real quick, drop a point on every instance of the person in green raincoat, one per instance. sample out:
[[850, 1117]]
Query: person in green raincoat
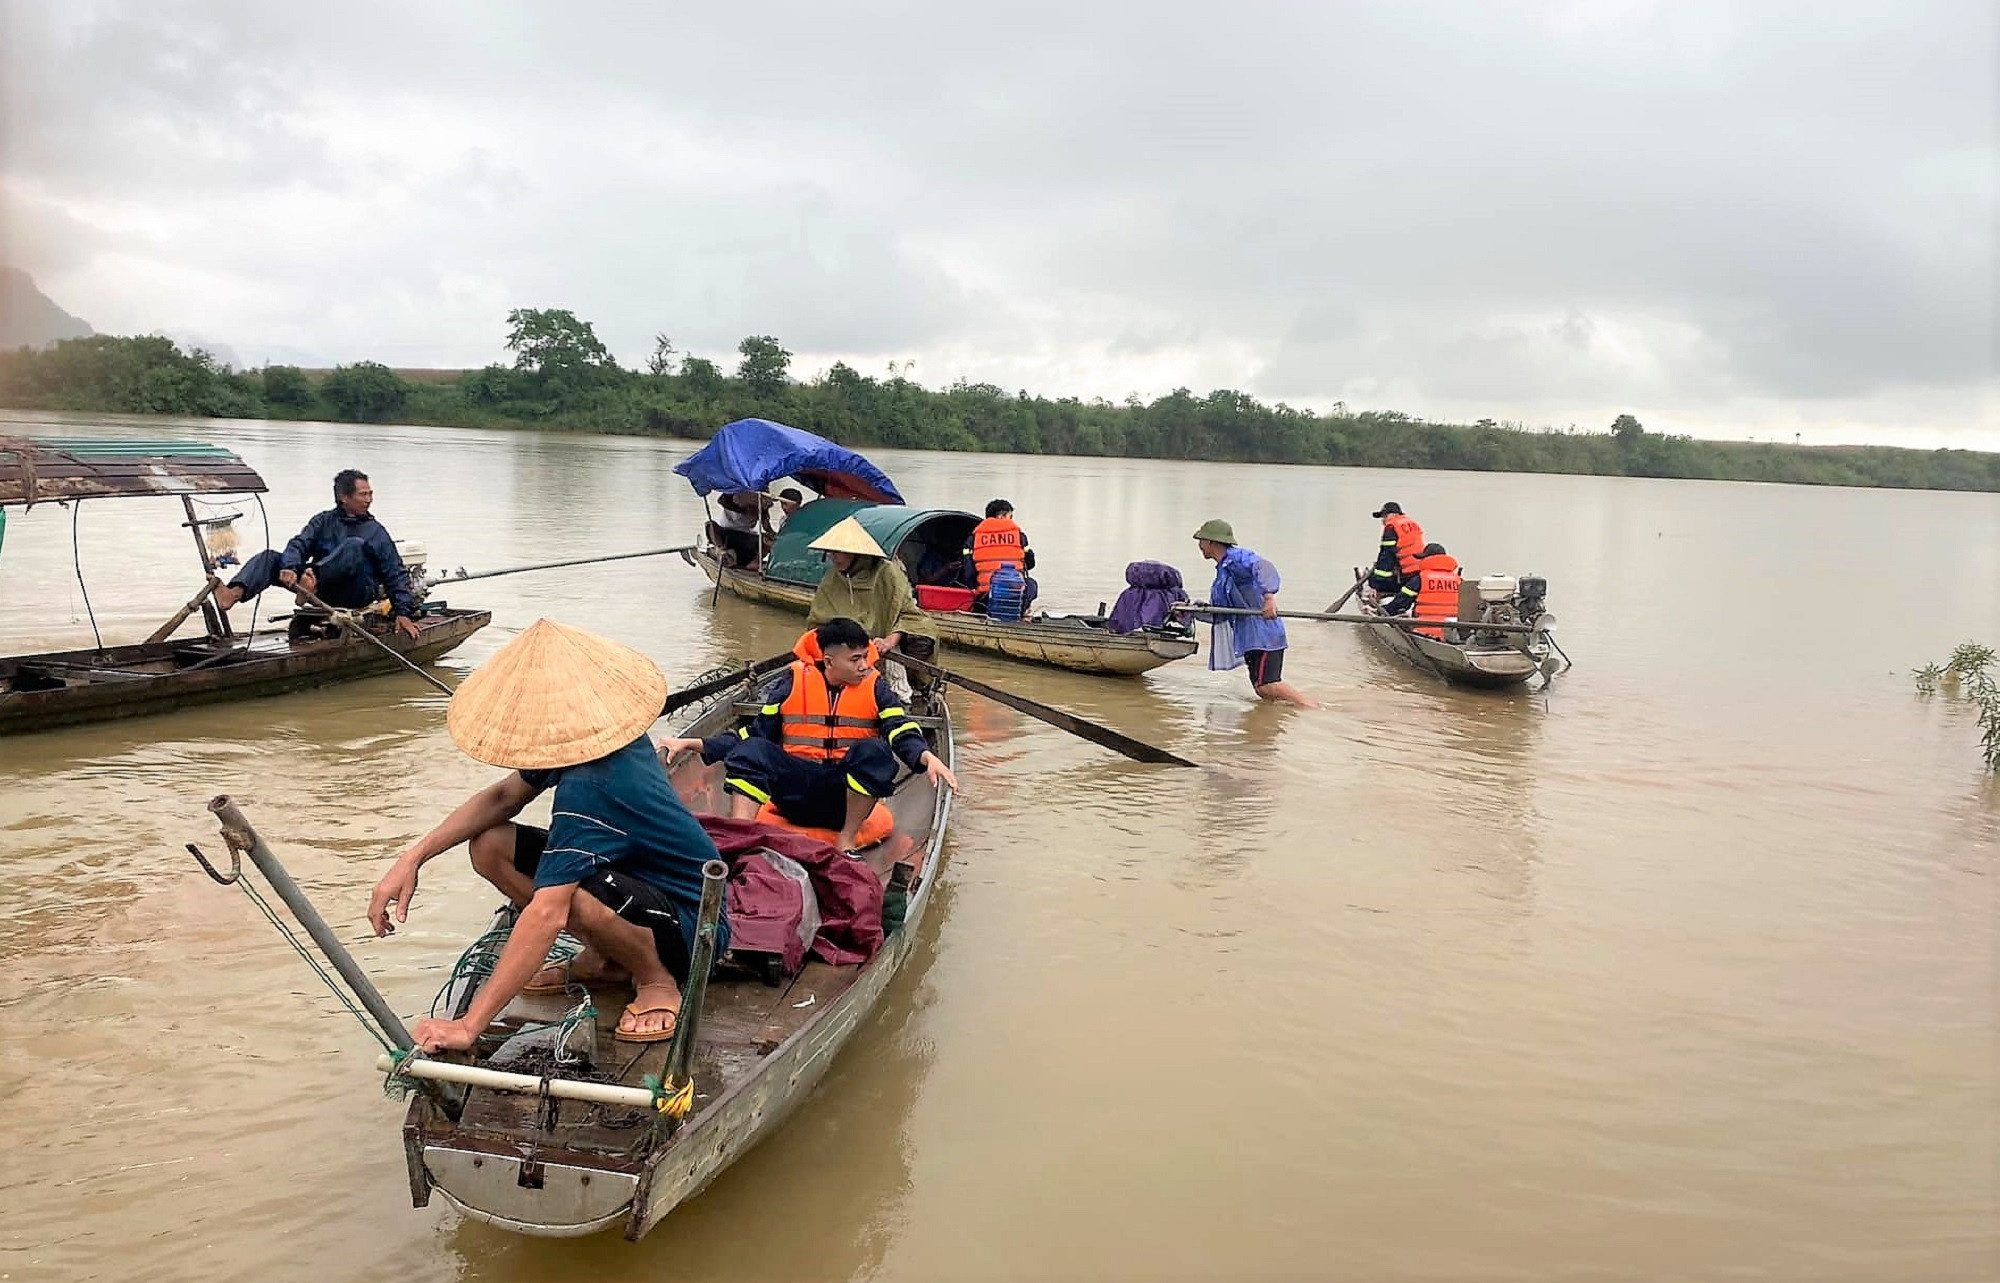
[[865, 584]]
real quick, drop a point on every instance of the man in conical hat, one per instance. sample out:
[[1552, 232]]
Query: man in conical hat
[[619, 866]]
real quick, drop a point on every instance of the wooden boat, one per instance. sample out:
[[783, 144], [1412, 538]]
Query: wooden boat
[[751, 454], [158, 675], [65, 688], [923, 540], [540, 1163], [1466, 656]]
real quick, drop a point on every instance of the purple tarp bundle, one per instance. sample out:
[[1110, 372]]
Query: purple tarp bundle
[[1155, 588]]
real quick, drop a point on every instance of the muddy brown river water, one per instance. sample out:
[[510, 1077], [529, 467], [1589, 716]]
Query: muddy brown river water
[[1685, 970]]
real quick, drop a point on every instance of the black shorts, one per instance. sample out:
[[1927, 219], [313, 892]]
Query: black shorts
[[633, 899], [1266, 666]]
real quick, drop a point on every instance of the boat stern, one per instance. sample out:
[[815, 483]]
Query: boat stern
[[543, 1197]]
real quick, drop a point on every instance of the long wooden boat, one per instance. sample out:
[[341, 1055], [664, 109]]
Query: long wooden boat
[[922, 539], [541, 1164], [1467, 657], [66, 688], [160, 674]]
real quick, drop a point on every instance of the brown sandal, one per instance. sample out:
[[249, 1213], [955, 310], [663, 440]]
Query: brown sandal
[[631, 1015]]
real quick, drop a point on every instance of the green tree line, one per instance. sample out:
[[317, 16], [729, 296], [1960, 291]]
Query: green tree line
[[561, 376]]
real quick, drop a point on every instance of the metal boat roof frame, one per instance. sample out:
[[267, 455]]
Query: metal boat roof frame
[[58, 469]]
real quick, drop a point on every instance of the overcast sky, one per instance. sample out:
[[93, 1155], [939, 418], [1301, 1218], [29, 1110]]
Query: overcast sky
[[1741, 218]]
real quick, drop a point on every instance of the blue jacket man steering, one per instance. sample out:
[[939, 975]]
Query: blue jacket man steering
[[343, 556]]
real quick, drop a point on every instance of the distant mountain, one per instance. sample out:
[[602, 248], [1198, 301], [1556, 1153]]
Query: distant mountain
[[28, 318], [222, 352]]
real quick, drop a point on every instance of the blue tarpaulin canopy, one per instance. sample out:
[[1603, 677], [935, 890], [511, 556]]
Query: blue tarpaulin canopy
[[750, 454]]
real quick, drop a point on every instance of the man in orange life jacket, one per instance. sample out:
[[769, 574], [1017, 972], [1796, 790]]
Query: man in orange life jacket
[[995, 542], [824, 747], [1432, 593], [1402, 545]]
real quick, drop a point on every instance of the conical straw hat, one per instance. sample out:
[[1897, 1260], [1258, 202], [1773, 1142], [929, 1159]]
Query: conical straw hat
[[848, 536], [555, 696]]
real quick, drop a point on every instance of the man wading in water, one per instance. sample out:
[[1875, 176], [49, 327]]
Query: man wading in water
[[619, 866], [1245, 581]]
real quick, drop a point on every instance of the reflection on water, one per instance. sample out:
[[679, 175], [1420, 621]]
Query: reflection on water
[[1683, 970]]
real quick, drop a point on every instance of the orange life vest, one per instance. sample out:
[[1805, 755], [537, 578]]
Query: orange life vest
[[1409, 537], [1437, 591], [881, 822], [818, 721], [995, 542]]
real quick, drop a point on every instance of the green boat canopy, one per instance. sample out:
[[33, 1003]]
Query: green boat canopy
[[927, 541]]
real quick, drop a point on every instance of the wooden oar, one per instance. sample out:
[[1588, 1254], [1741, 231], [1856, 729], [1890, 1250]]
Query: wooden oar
[[694, 694], [1342, 599], [346, 620], [1394, 621], [461, 577], [1137, 750], [166, 630]]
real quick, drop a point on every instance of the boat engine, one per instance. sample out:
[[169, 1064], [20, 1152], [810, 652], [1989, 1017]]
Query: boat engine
[[1531, 598], [1503, 599], [414, 556]]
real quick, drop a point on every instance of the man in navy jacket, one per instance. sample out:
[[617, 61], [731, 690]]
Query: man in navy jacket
[[343, 556]]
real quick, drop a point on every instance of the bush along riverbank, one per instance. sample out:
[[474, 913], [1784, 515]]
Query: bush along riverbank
[[561, 376]]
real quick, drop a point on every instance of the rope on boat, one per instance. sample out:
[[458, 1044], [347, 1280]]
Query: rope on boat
[[76, 557], [473, 968], [674, 1102], [312, 960]]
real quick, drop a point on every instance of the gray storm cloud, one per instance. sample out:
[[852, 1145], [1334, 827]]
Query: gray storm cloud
[[1733, 218]]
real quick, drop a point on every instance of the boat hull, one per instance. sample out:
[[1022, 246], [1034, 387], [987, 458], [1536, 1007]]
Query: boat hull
[[1076, 647], [163, 677], [1487, 667]]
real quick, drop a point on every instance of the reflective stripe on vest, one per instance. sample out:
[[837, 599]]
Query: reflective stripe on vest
[[995, 542], [1437, 591], [1409, 540], [817, 723]]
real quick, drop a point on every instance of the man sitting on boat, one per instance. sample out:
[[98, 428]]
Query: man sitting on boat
[[823, 750], [343, 556], [742, 527], [1401, 547], [996, 542], [866, 585], [1432, 593], [619, 866]]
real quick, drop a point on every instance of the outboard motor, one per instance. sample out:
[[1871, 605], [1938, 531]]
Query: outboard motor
[[1531, 598], [414, 555], [1503, 599]]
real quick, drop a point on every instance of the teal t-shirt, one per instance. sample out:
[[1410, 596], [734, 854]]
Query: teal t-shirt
[[621, 813]]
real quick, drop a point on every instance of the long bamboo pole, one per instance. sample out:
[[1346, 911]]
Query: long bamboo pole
[[1394, 621], [346, 620], [1117, 741], [238, 833], [433, 581], [714, 876], [1341, 600]]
